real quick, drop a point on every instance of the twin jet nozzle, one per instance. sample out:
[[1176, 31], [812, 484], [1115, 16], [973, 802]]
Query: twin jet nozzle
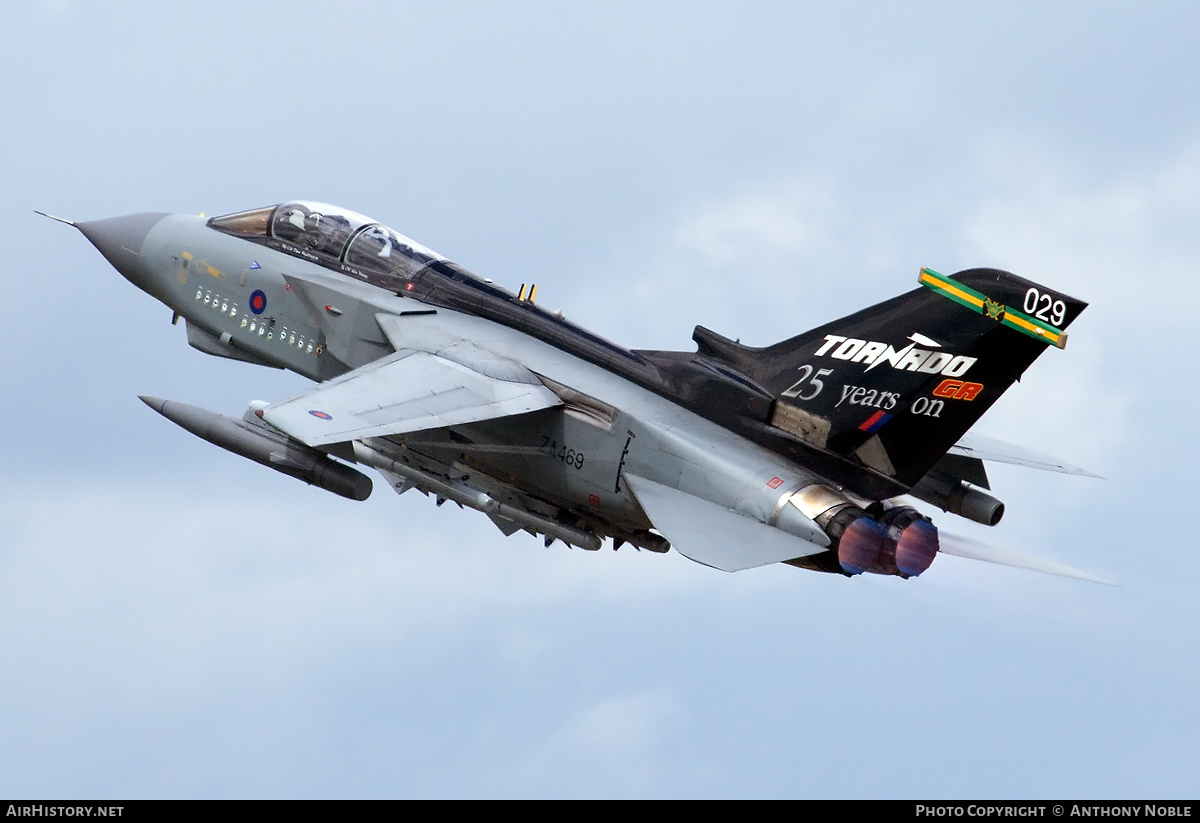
[[895, 540]]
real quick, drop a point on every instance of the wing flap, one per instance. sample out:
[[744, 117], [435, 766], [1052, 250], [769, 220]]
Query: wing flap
[[713, 535]]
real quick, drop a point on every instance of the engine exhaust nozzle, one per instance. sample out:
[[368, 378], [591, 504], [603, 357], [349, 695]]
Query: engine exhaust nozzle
[[860, 543]]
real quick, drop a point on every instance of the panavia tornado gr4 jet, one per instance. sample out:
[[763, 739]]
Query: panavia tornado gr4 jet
[[804, 452]]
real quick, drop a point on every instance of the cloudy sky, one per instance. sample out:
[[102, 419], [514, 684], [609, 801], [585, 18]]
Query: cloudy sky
[[178, 622]]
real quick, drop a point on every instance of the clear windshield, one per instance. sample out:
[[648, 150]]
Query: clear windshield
[[316, 226], [338, 233], [378, 248]]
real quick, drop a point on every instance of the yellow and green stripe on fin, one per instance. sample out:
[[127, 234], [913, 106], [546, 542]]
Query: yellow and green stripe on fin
[[982, 304]]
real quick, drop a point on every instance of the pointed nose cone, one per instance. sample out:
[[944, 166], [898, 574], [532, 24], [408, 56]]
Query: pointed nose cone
[[120, 240]]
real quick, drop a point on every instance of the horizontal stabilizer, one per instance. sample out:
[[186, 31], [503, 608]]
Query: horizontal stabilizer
[[713, 535], [965, 547], [998, 451]]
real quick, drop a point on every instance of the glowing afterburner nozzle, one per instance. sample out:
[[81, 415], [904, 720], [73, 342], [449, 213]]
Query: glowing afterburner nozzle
[[860, 544], [916, 547]]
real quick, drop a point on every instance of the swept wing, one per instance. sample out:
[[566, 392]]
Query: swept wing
[[432, 380]]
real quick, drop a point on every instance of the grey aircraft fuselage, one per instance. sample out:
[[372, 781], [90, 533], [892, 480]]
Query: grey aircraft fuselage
[[567, 458], [726, 451]]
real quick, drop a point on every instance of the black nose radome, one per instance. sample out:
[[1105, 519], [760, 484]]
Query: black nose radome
[[120, 239]]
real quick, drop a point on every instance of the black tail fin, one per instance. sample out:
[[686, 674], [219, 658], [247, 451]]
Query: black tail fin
[[894, 386]]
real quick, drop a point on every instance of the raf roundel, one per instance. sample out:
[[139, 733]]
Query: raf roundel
[[322, 415], [258, 301]]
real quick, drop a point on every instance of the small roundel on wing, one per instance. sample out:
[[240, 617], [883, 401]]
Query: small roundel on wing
[[322, 415], [258, 301]]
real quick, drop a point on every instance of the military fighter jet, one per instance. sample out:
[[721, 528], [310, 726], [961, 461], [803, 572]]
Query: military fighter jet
[[806, 452]]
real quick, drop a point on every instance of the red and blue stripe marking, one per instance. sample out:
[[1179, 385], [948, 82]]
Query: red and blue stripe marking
[[873, 423]]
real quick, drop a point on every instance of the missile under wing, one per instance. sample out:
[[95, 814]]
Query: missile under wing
[[807, 452]]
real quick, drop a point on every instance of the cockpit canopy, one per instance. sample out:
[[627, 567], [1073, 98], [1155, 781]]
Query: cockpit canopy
[[331, 232]]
